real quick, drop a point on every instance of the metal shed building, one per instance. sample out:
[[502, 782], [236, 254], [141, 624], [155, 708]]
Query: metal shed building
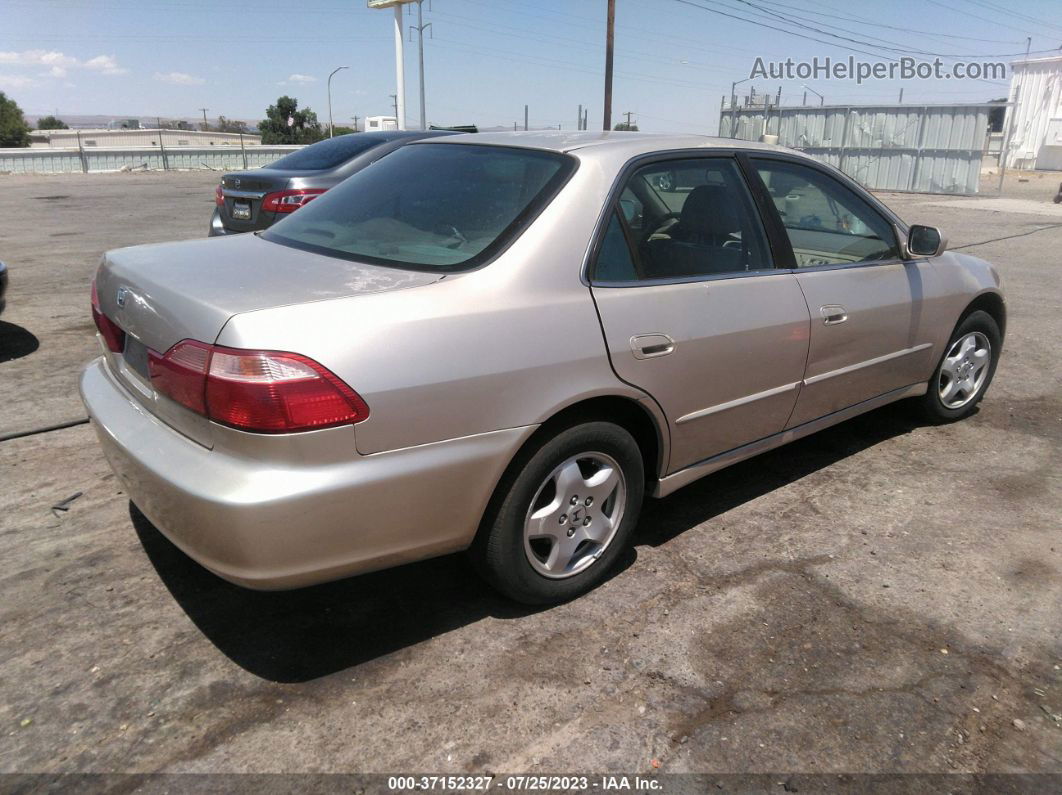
[[1033, 127]]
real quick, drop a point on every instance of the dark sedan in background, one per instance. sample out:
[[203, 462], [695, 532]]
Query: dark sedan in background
[[250, 200]]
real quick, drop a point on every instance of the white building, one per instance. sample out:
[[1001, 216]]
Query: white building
[[68, 139], [1033, 127], [377, 123]]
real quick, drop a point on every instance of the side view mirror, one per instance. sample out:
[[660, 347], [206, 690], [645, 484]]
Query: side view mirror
[[925, 241]]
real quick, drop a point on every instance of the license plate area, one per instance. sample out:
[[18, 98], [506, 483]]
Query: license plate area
[[136, 357], [241, 211]]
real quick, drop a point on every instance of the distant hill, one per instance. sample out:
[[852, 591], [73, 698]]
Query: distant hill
[[75, 120]]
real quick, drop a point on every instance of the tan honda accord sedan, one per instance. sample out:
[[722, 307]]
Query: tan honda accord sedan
[[501, 343]]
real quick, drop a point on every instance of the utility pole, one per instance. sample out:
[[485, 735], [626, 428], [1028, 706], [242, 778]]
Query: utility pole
[[394, 102], [610, 38], [420, 27], [628, 114], [579, 119], [586, 118], [356, 123], [205, 125], [525, 118]]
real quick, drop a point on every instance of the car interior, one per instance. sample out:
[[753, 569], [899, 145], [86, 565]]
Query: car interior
[[707, 226]]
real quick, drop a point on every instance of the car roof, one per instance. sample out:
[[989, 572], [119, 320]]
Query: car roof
[[383, 136], [631, 143]]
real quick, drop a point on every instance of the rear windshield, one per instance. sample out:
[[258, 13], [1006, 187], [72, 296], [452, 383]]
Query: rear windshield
[[436, 207], [326, 154]]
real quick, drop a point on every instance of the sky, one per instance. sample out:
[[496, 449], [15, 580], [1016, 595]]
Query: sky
[[486, 59]]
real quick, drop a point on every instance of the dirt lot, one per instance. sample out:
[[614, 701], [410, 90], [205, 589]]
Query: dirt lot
[[881, 597]]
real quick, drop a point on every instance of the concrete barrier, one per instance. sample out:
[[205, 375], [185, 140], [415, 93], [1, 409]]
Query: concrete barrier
[[151, 158]]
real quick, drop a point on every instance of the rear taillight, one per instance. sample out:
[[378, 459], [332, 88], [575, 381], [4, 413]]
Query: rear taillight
[[288, 201], [219, 197], [259, 391], [181, 373], [112, 334]]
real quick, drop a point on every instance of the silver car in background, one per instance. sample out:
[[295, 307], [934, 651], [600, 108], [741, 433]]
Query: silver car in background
[[500, 343]]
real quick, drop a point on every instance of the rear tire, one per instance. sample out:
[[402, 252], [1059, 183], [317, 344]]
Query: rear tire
[[965, 370], [563, 515]]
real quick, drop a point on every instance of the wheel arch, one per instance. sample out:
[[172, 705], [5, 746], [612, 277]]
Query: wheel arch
[[627, 412], [991, 303]]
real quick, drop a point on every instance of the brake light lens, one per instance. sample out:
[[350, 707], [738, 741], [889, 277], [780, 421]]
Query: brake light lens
[[258, 391], [288, 201], [112, 334], [219, 197], [181, 373]]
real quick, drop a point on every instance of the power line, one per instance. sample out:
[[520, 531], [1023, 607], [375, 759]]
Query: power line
[[975, 16], [881, 43], [872, 23], [1012, 13]]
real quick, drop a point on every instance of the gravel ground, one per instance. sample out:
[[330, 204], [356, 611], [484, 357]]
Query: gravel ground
[[883, 597]]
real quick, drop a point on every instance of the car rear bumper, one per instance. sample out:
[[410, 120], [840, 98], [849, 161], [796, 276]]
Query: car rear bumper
[[269, 524], [217, 228]]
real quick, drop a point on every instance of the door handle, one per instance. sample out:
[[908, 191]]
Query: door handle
[[832, 314], [649, 346]]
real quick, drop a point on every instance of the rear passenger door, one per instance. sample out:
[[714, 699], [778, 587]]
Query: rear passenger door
[[866, 303], [692, 308]]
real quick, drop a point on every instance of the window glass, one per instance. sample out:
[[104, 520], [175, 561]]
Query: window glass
[[632, 209], [437, 207], [327, 154], [614, 262], [826, 222], [691, 218]]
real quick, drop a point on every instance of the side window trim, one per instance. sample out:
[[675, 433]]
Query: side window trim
[[752, 174], [628, 236], [612, 205], [781, 248]]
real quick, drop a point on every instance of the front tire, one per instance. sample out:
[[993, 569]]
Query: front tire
[[566, 512], [965, 371]]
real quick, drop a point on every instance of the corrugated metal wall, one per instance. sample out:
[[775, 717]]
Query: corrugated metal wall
[[56, 161], [1036, 90], [920, 148]]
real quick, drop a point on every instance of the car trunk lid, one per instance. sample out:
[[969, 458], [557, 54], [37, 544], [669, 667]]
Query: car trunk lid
[[242, 194], [162, 294]]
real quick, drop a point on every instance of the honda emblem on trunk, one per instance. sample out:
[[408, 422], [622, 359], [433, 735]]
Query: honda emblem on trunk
[[120, 297], [236, 183]]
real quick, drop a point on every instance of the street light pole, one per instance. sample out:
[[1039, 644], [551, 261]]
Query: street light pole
[[822, 99], [733, 105], [331, 127]]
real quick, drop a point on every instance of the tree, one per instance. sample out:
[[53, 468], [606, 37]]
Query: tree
[[230, 125], [626, 127], [338, 130], [13, 128], [303, 128], [51, 123]]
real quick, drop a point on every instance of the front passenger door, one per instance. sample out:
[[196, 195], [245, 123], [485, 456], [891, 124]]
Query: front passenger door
[[693, 310]]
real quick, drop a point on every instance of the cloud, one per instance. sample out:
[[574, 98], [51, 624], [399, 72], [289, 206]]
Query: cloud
[[59, 63], [179, 78], [37, 58], [16, 81], [297, 78], [107, 64]]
